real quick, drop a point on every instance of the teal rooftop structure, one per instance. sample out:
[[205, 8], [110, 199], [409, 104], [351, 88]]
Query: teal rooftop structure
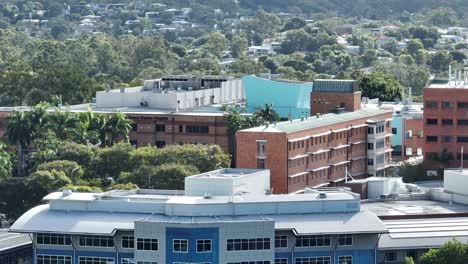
[[290, 99]]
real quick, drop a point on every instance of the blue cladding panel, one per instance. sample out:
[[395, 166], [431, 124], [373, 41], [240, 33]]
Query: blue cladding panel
[[288, 98], [83, 254], [359, 256], [192, 234], [397, 123]]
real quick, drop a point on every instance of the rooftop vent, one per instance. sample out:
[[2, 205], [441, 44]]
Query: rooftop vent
[[207, 196], [66, 192], [322, 195], [267, 191]]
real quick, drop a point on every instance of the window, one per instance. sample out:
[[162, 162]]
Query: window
[[431, 104], [380, 129], [204, 245], [96, 241], [447, 104], [313, 260], [95, 260], [181, 129], [197, 129], [462, 139], [419, 151], [390, 256], [462, 122], [370, 130], [370, 162], [128, 242], [431, 121], [370, 146], [447, 139], [409, 152], [345, 260], [431, 139], [345, 240], [160, 144], [160, 128], [313, 241], [462, 104], [380, 144], [261, 163], [53, 239], [281, 241], [147, 244], [127, 261], [281, 261], [248, 244], [394, 131], [50, 259], [261, 148], [251, 262], [380, 159], [180, 245], [447, 122]]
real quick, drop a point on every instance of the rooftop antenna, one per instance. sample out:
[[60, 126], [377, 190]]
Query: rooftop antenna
[[450, 72], [461, 159]]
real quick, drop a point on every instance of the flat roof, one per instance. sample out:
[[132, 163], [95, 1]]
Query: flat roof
[[414, 208], [313, 122], [213, 110], [12, 240], [107, 223], [228, 173], [423, 233], [449, 85]]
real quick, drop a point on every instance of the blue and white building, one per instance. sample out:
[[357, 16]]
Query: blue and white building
[[230, 225]]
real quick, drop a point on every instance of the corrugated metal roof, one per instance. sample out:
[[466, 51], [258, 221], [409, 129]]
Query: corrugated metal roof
[[73, 222], [312, 122], [335, 86], [13, 240], [423, 233]]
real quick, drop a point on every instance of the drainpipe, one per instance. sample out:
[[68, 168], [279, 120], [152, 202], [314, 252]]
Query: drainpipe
[[116, 250], [334, 250], [74, 249], [375, 249], [34, 259]]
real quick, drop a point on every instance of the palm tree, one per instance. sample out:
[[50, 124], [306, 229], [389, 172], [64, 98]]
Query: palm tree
[[84, 133], [19, 132], [38, 118], [118, 126], [268, 114], [63, 124]]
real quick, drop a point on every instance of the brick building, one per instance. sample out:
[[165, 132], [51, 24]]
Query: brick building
[[445, 125], [317, 151], [176, 109], [328, 95]]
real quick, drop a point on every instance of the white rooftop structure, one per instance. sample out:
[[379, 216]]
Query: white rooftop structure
[[228, 182], [175, 93], [326, 211]]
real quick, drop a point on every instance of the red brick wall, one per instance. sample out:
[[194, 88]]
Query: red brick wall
[[281, 146], [324, 102], [276, 156], [414, 142], [146, 133], [440, 95]]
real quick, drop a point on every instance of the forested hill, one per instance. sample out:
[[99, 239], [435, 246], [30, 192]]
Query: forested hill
[[355, 7]]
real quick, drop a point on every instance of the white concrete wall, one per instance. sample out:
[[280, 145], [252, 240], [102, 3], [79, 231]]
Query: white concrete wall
[[455, 181], [231, 90], [254, 183]]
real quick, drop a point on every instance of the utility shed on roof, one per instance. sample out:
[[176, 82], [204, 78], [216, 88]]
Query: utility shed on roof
[[335, 86], [228, 182]]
